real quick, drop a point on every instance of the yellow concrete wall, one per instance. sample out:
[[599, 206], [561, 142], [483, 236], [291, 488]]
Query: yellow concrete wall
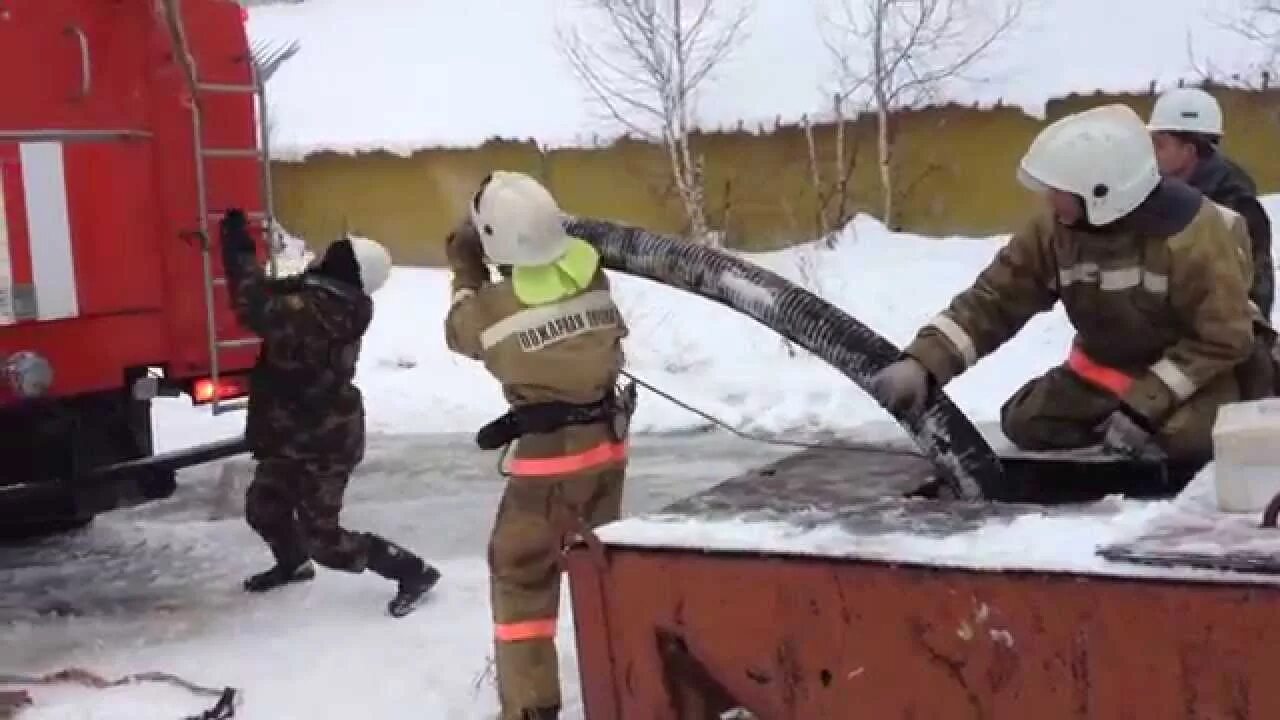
[[956, 165]]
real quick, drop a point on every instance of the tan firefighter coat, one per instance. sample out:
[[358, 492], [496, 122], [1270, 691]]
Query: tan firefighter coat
[[568, 351], [1168, 310]]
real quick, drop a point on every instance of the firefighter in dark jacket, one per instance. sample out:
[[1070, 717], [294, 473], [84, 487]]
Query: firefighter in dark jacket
[[1186, 127], [1153, 279], [306, 416], [552, 335]]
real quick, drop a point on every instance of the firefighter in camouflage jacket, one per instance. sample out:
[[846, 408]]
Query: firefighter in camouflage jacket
[[306, 423]]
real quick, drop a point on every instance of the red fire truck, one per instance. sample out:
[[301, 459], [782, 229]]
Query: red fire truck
[[123, 138]]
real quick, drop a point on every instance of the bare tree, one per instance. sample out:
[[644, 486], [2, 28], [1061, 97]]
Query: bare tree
[[833, 194], [644, 62], [899, 54], [1259, 23], [1255, 21]]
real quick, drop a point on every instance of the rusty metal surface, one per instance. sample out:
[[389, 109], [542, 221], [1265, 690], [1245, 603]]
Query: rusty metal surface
[[809, 639]]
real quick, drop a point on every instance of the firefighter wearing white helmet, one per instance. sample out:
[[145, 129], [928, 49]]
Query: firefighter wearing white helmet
[[1186, 127], [1150, 276], [1188, 110], [306, 420], [551, 334]]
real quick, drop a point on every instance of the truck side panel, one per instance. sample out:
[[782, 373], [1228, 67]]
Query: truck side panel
[[101, 262]]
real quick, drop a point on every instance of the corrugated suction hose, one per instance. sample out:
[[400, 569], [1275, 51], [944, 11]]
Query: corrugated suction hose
[[966, 464]]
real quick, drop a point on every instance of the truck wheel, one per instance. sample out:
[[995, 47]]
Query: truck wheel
[[46, 485]]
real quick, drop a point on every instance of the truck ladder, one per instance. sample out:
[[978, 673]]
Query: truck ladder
[[205, 154]]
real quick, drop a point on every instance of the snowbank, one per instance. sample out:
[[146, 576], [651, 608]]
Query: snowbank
[[398, 76], [705, 354]]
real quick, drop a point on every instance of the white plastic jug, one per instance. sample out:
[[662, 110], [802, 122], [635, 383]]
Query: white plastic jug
[[1246, 441]]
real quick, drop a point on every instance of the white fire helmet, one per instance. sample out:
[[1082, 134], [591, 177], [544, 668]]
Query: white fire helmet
[[1189, 110], [1103, 155], [374, 262], [518, 221]]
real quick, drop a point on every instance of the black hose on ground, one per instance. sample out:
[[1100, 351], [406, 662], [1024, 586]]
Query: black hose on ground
[[966, 464]]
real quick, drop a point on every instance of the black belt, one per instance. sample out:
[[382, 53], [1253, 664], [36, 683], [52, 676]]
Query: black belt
[[615, 409]]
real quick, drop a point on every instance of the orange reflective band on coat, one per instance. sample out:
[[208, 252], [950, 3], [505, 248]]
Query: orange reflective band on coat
[[1105, 377], [528, 630], [601, 454]]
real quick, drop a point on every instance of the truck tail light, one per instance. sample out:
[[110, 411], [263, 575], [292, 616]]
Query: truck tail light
[[205, 390]]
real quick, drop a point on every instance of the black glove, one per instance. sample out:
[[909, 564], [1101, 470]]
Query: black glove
[[1124, 433], [234, 233]]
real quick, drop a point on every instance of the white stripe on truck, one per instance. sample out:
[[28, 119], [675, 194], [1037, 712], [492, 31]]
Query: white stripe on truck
[[6, 264], [52, 263]]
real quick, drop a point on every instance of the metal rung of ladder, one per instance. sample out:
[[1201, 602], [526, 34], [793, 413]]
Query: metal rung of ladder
[[238, 343], [226, 88], [247, 153], [254, 215], [205, 214]]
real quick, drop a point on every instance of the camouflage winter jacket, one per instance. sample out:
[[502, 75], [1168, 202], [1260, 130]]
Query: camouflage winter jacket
[[1227, 184], [1160, 295], [303, 403], [568, 351]]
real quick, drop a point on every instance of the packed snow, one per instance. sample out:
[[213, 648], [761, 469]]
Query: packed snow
[[398, 77], [156, 588]]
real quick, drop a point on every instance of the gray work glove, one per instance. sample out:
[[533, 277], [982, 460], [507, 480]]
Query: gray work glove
[[1124, 434], [465, 253], [902, 387]]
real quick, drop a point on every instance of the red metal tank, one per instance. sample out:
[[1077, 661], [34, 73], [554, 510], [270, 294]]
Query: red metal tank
[[711, 609]]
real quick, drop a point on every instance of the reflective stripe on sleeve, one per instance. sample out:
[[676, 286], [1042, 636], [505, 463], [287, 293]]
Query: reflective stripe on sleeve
[[963, 343], [1171, 375]]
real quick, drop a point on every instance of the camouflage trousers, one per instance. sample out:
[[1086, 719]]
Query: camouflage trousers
[[1062, 411], [529, 532], [295, 506]]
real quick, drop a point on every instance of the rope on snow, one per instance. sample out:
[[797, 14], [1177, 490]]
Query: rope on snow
[[11, 702]]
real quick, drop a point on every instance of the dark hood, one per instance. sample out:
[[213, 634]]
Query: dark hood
[[1168, 210], [339, 263]]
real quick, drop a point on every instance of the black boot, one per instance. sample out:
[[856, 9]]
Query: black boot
[[279, 575], [414, 576], [547, 713]]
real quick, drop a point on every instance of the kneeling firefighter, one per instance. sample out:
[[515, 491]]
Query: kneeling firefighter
[[1155, 281], [550, 332], [306, 416]]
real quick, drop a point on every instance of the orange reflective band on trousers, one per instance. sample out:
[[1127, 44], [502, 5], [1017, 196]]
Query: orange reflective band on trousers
[[1105, 377], [602, 454], [528, 630]]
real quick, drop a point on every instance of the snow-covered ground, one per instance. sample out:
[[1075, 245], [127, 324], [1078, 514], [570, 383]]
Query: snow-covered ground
[[155, 588]]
